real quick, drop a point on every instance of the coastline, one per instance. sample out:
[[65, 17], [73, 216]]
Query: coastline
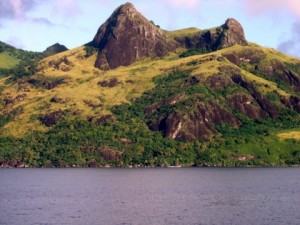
[[142, 167]]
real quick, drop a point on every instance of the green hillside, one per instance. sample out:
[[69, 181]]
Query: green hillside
[[16, 62], [173, 98], [79, 122], [7, 61]]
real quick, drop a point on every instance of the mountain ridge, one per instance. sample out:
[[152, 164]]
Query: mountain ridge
[[143, 39]]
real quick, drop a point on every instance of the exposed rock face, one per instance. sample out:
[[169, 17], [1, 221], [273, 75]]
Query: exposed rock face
[[227, 35], [233, 33], [198, 124], [278, 69], [292, 102], [261, 100], [126, 37], [52, 118], [168, 101], [14, 163], [268, 69], [219, 81], [245, 104], [109, 83]]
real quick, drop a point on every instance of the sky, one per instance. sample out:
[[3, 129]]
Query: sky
[[37, 24]]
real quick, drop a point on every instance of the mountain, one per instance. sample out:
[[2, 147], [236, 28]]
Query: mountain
[[140, 95], [128, 36], [54, 49]]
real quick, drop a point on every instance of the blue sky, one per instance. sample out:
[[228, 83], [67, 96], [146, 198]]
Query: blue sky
[[36, 24]]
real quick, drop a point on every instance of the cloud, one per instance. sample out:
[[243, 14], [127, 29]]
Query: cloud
[[67, 8], [183, 3], [15, 9], [18, 10], [256, 7], [291, 45]]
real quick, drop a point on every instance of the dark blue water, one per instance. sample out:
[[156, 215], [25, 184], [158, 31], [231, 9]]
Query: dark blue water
[[150, 196]]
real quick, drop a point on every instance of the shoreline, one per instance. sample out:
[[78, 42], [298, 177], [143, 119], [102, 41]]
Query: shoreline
[[146, 167]]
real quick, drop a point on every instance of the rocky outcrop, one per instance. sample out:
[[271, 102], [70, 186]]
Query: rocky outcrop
[[257, 63], [127, 36], [198, 124], [280, 70], [224, 36], [13, 163], [232, 33], [292, 102], [52, 118], [246, 105], [219, 81], [109, 83], [261, 100]]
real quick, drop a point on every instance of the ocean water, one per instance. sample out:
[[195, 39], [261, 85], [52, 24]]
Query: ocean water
[[150, 196]]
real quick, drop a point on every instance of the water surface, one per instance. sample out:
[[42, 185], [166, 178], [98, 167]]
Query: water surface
[[150, 196]]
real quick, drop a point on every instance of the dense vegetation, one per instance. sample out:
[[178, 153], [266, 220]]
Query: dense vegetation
[[124, 139], [22, 62]]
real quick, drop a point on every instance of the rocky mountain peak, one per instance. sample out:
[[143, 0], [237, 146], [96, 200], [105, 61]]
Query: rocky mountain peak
[[128, 36], [226, 35], [231, 22], [128, 9], [234, 33]]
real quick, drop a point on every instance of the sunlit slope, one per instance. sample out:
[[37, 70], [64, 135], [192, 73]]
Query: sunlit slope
[[69, 82], [7, 61]]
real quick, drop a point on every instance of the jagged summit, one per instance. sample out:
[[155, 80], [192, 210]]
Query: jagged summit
[[233, 33], [128, 36]]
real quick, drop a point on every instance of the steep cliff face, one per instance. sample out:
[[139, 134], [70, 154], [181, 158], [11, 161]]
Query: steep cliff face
[[233, 33], [226, 35], [198, 124], [127, 36]]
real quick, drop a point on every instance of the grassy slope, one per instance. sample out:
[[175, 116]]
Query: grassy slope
[[82, 84], [290, 134], [183, 32], [7, 61]]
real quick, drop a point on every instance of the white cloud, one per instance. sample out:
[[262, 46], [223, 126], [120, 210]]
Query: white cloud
[[15, 9], [183, 3], [257, 7], [67, 8], [291, 45]]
